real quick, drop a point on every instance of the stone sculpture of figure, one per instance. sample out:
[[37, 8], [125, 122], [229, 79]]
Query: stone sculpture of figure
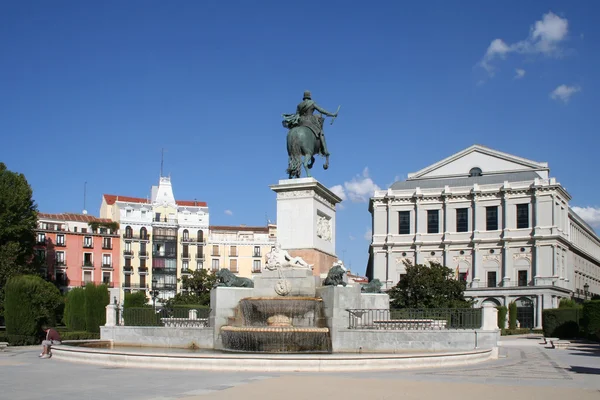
[[323, 228], [278, 257], [226, 278], [306, 137], [372, 287], [335, 276]]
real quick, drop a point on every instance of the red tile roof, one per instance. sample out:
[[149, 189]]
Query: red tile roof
[[111, 199], [239, 228], [73, 217]]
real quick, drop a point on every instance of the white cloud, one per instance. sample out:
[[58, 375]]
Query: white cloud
[[591, 215], [564, 93], [520, 73], [228, 212], [368, 234], [358, 190], [544, 38]]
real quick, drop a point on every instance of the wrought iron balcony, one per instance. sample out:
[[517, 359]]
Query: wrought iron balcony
[[107, 265], [199, 256], [128, 253], [60, 263], [143, 254], [164, 254], [60, 244], [185, 256], [256, 254], [134, 286], [88, 245], [143, 270], [106, 246], [186, 271], [109, 284], [87, 265], [40, 241], [127, 268], [188, 239]]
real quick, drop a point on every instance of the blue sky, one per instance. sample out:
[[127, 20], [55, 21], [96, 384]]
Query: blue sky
[[91, 91]]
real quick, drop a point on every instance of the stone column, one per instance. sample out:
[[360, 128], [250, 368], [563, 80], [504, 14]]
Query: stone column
[[111, 315], [489, 317], [538, 314]]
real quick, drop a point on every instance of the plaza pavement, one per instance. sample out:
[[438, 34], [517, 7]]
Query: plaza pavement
[[525, 370]]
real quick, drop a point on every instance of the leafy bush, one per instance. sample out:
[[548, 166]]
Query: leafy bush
[[561, 322], [29, 303], [136, 299], [96, 300], [512, 316], [568, 303], [591, 319], [78, 335], [519, 331], [502, 311], [74, 317]]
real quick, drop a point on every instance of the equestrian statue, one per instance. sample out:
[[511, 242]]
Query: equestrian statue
[[305, 136]]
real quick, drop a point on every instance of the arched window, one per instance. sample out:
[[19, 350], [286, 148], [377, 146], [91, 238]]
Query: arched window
[[186, 235], [143, 233], [128, 232], [475, 172], [201, 235]]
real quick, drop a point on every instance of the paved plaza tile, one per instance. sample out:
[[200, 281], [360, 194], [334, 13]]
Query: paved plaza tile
[[526, 369]]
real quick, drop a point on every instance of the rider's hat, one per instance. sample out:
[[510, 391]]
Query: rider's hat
[[306, 94]]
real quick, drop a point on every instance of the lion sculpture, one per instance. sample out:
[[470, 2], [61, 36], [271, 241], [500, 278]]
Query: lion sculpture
[[226, 278], [372, 287], [335, 276]]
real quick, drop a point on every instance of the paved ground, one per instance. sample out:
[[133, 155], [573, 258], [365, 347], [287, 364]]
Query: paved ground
[[526, 370]]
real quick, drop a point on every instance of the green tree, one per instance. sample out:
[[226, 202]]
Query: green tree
[[30, 302], [18, 219], [96, 300], [197, 288], [431, 286], [74, 317]]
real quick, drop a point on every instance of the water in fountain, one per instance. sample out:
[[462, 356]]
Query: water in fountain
[[278, 325]]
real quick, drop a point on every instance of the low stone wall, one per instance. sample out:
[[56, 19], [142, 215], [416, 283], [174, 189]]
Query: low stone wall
[[396, 341], [152, 336]]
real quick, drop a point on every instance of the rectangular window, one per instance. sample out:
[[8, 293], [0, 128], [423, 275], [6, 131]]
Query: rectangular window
[[491, 218], [233, 265], [186, 251], [128, 263], [215, 250], [233, 251], [127, 281], [185, 265], [404, 222], [60, 240], [462, 276], [87, 260], [256, 251], [74, 229], [87, 276], [142, 281], [433, 221], [215, 265], [83, 230], [199, 265], [107, 243], [106, 261], [41, 238], [462, 220], [60, 258], [522, 216], [142, 263], [128, 213], [106, 278], [256, 266], [200, 252], [87, 242], [491, 279], [157, 217], [40, 254], [522, 277]]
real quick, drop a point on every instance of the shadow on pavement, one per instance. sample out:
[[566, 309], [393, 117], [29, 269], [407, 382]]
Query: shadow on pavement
[[585, 370]]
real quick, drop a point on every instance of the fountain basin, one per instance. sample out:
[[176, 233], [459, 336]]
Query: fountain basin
[[276, 339]]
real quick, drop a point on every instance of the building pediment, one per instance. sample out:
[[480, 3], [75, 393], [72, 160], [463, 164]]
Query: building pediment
[[489, 161]]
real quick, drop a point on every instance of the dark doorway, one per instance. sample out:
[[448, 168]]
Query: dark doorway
[[525, 312]]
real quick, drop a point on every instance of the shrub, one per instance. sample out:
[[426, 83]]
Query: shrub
[[512, 316], [74, 317], [78, 335], [519, 331], [136, 299], [29, 303], [502, 310], [96, 300], [562, 322], [591, 319]]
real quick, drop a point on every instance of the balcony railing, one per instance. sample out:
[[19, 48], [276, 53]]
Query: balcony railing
[[256, 254], [127, 268], [186, 271], [60, 263], [165, 220], [88, 245], [128, 253], [134, 286], [500, 284], [109, 284], [87, 264], [199, 256], [107, 265], [143, 270], [185, 256], [164, 254], [41, 242], [165, 286], [143, 254], [165, 238], [106, 246], [60, 244], [415, 319]]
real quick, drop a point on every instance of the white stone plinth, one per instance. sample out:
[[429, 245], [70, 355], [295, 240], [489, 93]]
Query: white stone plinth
[[305, 215], [111, 315], [489, 317]]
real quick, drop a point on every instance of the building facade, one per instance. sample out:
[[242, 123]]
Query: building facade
[[77, 249], [241, 249], [499, 220], [162, 238]]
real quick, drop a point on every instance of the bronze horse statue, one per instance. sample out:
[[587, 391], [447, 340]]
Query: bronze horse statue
[[301, 141]]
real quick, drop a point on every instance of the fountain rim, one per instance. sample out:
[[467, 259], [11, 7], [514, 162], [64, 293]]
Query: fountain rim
[[280, 298]]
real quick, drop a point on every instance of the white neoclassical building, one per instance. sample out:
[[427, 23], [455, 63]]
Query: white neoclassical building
[[500, 221]]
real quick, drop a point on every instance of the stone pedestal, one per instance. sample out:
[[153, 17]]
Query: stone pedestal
[[299, 281], [336, 299], [111, 315], [306, 221], [223, 302]]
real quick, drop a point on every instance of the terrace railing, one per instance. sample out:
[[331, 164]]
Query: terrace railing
[[415, 319]]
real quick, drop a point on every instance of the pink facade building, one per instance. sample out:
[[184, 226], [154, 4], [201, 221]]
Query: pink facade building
[[78, 248]]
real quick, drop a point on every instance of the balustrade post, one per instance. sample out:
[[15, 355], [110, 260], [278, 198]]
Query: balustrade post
[[111, 315], [489, 317]]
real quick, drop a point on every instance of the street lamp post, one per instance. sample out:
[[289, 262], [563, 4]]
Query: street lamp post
[[586, 287], [154, 293]]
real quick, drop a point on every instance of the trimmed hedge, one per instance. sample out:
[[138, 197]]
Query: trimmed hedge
[[512, 316], [136, 299], [561, 322], [502, 311], [591, 319], [29, 303], [519, 331], [78, 335], [96, 300], [74, 317]]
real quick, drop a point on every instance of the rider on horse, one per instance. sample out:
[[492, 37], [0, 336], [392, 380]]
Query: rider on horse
[[304, 117]]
